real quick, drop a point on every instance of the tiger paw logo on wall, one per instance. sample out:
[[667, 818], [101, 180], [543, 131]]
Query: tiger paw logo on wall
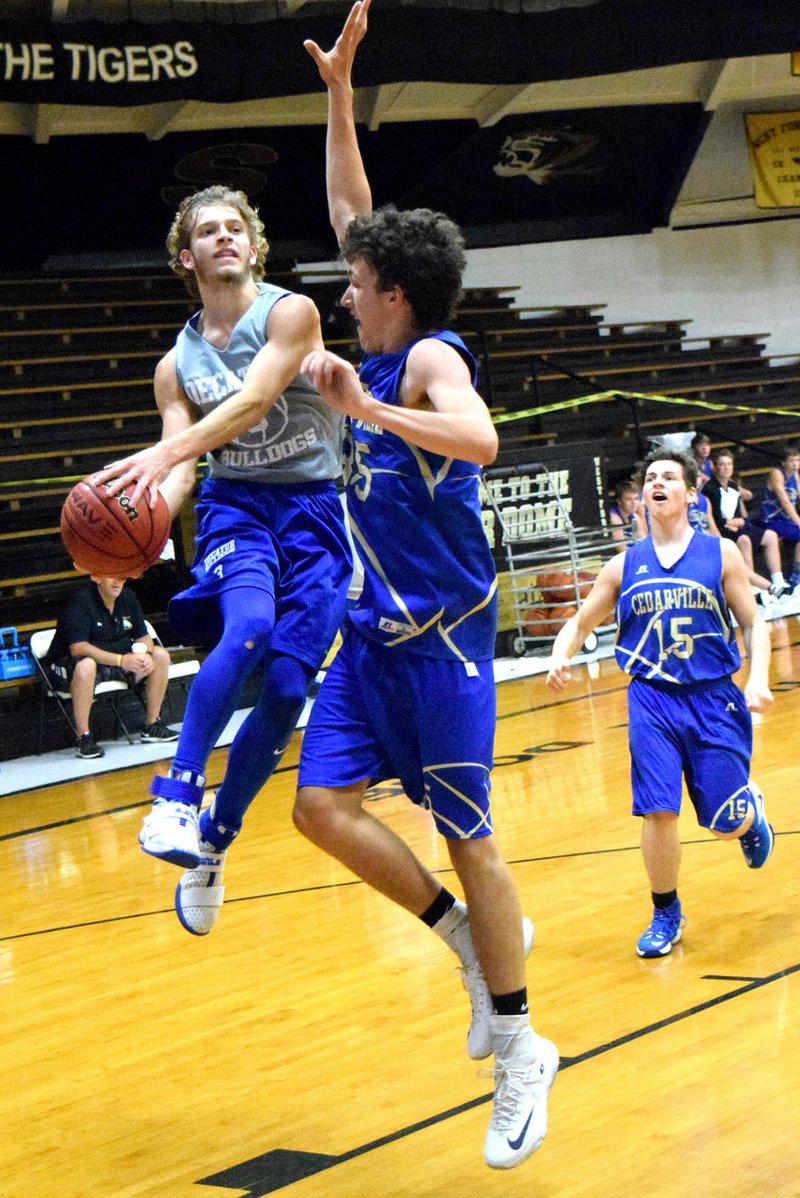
[[546, 154]]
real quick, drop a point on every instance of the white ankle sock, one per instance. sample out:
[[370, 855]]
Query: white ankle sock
[[454, 929]]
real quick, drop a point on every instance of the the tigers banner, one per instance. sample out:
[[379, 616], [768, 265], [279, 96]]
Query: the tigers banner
[[773, 139]]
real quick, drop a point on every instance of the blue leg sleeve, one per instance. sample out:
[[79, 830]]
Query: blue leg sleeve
[[248, 618], [259, 744]]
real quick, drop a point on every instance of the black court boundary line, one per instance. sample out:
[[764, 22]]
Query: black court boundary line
[[334, 886], [329, 1161]]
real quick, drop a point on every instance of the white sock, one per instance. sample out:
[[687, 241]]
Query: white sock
[[454, 929]]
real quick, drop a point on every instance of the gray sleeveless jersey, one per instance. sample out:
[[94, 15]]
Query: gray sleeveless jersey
[[299, 440]]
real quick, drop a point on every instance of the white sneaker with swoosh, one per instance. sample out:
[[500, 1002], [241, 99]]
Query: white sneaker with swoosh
[[525, 1069]]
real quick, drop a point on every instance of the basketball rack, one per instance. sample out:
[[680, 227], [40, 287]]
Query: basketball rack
[[551, 561]]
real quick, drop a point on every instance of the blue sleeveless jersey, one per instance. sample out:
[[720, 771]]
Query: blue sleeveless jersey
[[770, 504], [429, 578], [673, 623], [299, 440], [629, 526]]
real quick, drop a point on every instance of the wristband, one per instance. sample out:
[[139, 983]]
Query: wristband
[[119, 663]]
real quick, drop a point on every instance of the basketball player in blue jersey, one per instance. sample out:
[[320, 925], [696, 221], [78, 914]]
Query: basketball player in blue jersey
[[779, 515], [272, 561], [670, 594], [410, 693]]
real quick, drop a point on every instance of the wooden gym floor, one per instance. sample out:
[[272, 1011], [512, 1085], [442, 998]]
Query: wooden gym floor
[[313, 1044]]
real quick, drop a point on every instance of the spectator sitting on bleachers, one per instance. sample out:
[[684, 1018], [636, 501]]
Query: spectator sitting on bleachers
[[779, 514], [94, 642], [700, 514], [625, 514], [701, 448], [732, 521]]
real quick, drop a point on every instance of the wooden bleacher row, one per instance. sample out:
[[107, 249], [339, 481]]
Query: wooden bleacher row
[[20, 375], [28, 369], [508, 375]]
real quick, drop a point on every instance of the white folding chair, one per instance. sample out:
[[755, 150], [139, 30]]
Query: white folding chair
[[40, 643], [179, 671]]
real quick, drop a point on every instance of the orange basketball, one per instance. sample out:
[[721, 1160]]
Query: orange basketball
[[106, 534], [547, 621], [559, 587]]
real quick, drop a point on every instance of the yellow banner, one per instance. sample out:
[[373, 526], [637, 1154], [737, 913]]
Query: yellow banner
[[773, 139]]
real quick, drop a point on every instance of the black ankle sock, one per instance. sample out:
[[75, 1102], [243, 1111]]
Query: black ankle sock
[[664, 900], [515, 1003], [439, 907]]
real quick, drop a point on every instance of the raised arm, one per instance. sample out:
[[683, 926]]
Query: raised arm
[[294, 331], [349, 192]]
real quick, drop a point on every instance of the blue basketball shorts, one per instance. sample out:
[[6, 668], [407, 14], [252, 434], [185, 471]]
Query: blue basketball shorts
[[786, 529], [704, 735], [388, 713], [287, 540]]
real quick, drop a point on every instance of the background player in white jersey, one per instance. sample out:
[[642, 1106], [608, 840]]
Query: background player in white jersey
[[410, 693], [272, 561], [670, 594]]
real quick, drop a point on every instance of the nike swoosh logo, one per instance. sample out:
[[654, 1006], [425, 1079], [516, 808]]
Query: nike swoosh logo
[[515, 1144]]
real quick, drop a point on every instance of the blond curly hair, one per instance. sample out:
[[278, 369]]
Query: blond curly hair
[[180, 234]]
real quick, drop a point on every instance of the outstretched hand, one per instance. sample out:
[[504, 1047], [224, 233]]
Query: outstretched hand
[[145, 469], [336, 381], [335, 66]]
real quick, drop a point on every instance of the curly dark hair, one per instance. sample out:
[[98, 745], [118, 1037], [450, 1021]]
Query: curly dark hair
[[660, 454], [417, 249], [180, 233]]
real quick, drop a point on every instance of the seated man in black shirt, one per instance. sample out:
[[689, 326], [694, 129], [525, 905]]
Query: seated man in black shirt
[[93, 642]]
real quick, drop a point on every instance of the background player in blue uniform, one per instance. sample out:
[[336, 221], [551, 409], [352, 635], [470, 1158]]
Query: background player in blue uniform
[[779, 514], [272, 560], [670, 594], [625, 514], [410, 693]]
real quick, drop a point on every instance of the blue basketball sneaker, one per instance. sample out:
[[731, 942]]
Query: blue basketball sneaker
[[664, 931], [758, 840]]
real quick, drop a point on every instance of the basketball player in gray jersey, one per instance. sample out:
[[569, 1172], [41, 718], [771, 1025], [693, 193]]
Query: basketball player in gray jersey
[[272, 561]]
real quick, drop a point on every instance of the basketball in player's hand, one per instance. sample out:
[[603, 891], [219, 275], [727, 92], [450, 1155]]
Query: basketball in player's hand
[[108, 535]]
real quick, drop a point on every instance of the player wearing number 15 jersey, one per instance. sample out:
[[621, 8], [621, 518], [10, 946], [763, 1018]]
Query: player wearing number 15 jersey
[[671, 594]]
